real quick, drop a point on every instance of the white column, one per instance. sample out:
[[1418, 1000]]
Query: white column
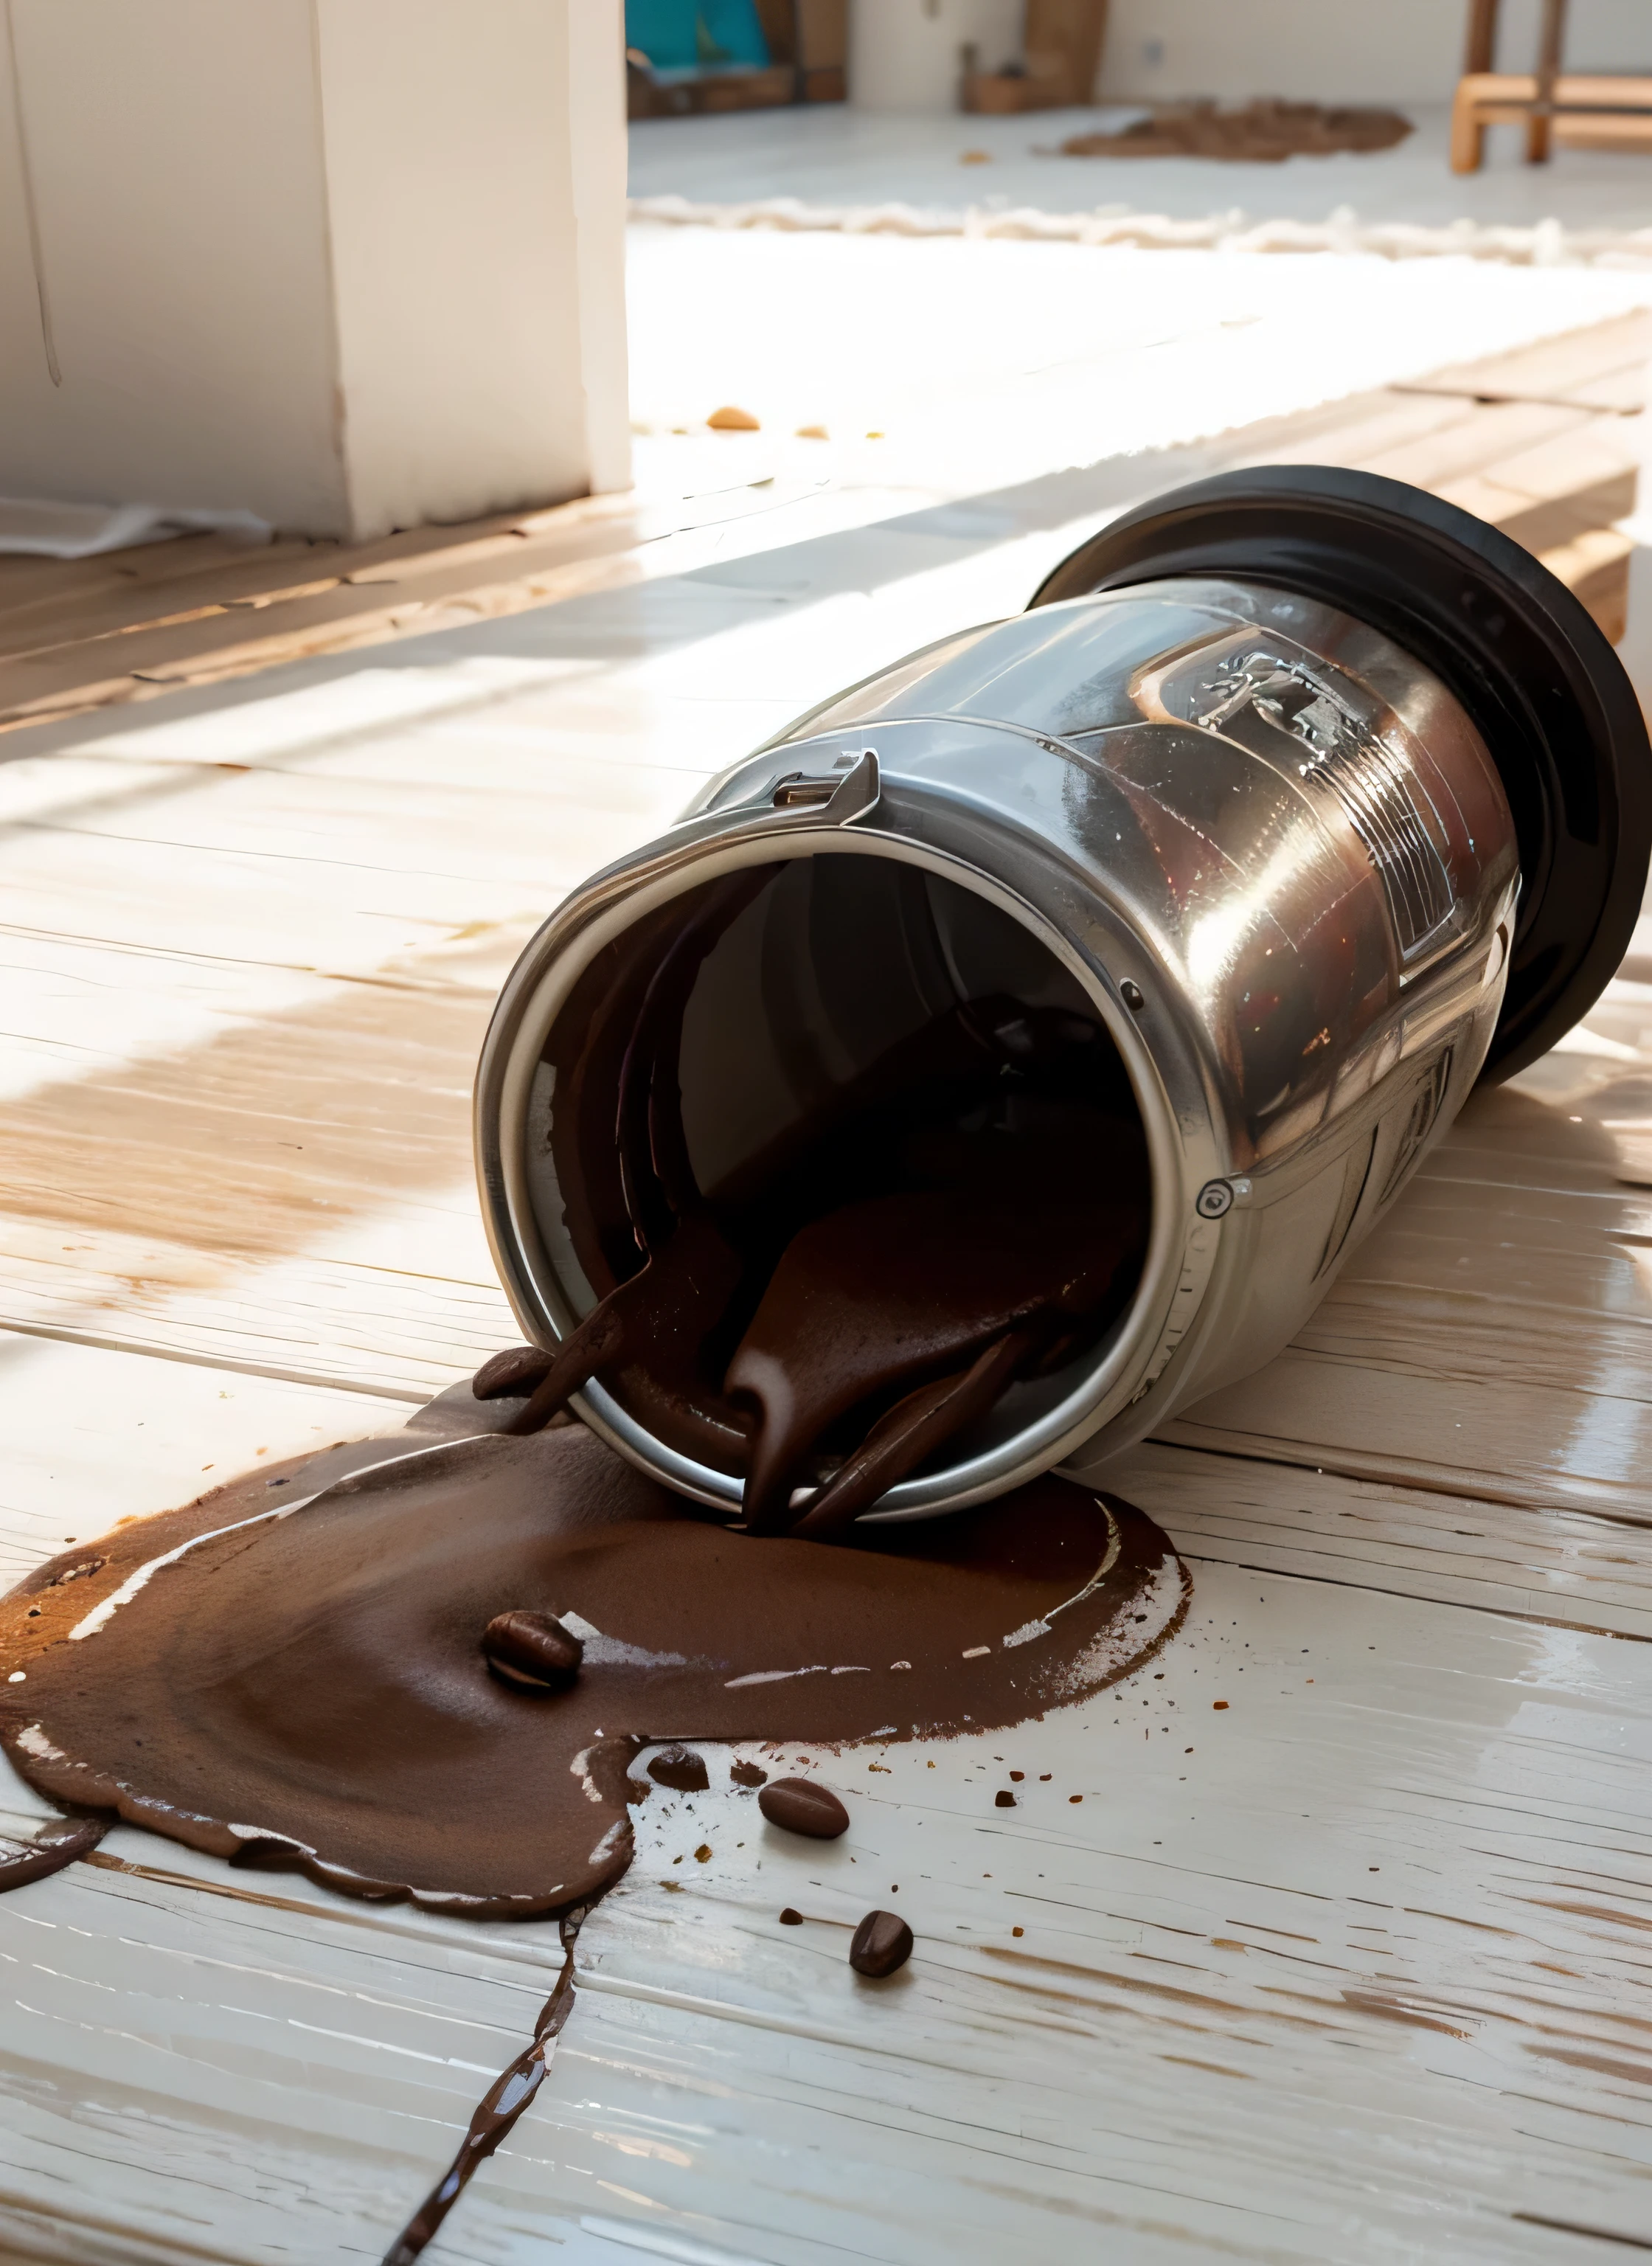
[[351, 265]]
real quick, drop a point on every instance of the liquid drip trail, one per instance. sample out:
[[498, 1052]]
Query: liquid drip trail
[[36, 1861], [496, 2114]]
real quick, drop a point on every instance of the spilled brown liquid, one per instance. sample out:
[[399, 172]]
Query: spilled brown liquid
[[23, 1862], [879, 1297], [307, 1688], [295, 1682], [966, 1210], [494, 2117]]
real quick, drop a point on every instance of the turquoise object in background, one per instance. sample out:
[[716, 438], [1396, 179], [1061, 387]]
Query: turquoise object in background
[[678, 35]]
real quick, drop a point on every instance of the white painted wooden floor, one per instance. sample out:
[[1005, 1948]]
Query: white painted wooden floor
[[1355, 1968]]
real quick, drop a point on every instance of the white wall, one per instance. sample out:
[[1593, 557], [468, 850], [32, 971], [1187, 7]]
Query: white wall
[[904, 54], [178, 193], [327, 260], [1340, 50]]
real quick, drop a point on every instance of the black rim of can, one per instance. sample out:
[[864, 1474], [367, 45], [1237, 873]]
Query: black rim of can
[[1522, 655]]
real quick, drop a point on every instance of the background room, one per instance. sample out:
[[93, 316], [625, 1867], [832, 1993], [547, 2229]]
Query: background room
[[433, 446]]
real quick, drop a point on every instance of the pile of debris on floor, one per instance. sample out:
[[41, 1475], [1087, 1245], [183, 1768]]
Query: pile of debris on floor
[[1263, 132]]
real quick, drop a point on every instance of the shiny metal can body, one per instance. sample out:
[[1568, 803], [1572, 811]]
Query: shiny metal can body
[[1253, 837]]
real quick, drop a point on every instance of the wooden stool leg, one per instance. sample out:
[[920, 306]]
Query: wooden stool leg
[[1480, 55], [1468, 136], [1540, 136], [1480, 51]]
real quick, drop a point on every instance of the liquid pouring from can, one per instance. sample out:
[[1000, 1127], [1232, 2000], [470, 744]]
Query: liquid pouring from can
[[1009, 1053]]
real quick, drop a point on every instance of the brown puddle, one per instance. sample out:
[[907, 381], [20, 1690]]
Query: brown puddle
[[287, 1678], [302, 1685]]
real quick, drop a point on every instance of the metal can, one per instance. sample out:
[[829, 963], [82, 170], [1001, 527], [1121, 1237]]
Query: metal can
[[1316, 796]]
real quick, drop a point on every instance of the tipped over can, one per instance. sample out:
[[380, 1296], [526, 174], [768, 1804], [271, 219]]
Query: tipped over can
[[1295, 803]]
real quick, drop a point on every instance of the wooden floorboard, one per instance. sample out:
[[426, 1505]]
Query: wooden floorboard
[[76, 636], [1604, 367]]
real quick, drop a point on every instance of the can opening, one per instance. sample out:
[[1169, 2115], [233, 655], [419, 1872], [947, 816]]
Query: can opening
[[851, 1040]]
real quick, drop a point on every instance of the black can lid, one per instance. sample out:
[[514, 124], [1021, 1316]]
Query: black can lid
[[1533, 670]]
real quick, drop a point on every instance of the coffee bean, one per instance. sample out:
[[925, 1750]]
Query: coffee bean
[[1003, 1798], [516, 1370], [749, 1775], [798, 1806], [882, 1942], [680, 1768], [532, 1651], [791, 1918]]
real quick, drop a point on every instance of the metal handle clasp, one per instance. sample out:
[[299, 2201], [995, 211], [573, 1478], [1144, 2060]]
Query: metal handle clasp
[[841, 796]]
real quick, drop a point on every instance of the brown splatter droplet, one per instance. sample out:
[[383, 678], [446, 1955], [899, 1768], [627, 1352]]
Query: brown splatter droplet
[[703, 1854], [791, 1918], [1218, 1704], [1003, 1798]]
